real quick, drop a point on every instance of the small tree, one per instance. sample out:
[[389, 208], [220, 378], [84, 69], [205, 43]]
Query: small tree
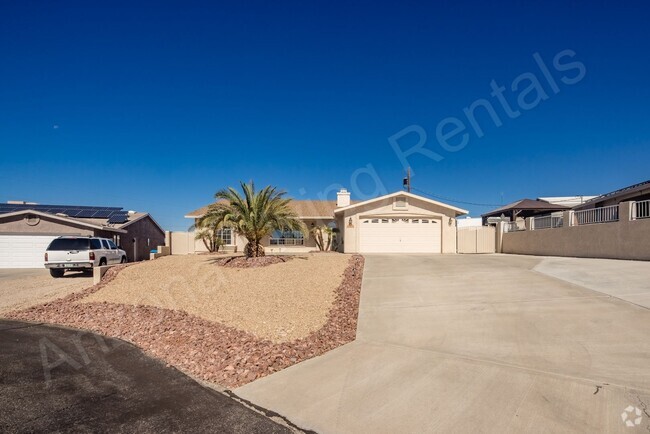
[[207, 230], [254, 214], [323, 236], [210, 238]]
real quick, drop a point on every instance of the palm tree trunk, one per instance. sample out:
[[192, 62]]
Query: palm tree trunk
[[259, 250], [254, 249]]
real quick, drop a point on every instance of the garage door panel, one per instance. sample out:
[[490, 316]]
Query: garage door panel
[[23, 251], [400, 235]]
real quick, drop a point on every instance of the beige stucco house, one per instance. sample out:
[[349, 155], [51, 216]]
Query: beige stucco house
[[400, 222]]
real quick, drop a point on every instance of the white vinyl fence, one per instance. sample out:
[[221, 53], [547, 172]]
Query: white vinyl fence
[[476, 239]]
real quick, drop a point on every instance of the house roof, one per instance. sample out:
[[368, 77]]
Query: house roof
[[89, 223], [458, 211], [134, 217], [640, 187], [526, 205], [323, 209]]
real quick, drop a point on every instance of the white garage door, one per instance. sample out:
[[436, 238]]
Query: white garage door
[[23, 251], [400, 235]]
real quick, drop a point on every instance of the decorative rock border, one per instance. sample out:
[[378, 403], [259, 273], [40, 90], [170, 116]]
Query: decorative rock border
[[210, 351], [262, 261]]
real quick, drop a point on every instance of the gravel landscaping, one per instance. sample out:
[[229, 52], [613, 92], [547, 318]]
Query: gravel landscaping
[[280, 302], [243, 262], [209, 349]]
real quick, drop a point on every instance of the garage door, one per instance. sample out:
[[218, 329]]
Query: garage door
[[23, 251], [399, 235]]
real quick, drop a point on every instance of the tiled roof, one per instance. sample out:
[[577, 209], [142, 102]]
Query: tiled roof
[[303, 208]]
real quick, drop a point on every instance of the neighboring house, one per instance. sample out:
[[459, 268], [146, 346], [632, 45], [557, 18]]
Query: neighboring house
[[522, 209], [637, 192], [569, 201], [400, 222], [26, 229], [615, 225]]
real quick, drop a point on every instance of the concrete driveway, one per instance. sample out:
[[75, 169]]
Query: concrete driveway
[[21, 288], [481, 343]]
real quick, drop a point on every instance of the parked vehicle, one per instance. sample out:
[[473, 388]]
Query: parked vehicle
[[73, 253]]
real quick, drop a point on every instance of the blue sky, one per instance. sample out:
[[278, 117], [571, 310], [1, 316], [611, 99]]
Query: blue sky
[[154, 107]]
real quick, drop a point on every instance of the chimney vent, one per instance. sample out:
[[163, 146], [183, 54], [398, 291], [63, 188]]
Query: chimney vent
[[342, 198]]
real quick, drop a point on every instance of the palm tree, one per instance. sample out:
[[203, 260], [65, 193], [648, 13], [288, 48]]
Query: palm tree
[[255, 214]]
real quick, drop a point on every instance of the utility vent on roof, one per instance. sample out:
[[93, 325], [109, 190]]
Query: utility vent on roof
[[400, 203]]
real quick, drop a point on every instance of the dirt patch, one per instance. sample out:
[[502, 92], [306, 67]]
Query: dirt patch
[[20, 289], [205, 349], [243, 262]]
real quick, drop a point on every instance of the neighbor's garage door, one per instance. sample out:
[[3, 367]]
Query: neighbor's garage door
[[399, 235], [23, 251]]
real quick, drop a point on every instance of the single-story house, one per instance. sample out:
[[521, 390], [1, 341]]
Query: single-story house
[[26, 229], [400, 222]]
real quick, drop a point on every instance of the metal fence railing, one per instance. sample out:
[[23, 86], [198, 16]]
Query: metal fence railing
[[287, 241], [547, 222], [604, 214], [641, 209]]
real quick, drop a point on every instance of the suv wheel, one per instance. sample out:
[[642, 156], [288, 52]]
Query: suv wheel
[[102, 262], [55, 272], [123, 261]]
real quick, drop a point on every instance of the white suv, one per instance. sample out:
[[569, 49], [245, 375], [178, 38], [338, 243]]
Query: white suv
[[81, 253]]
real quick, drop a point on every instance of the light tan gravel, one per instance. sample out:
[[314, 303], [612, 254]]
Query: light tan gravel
[[20, 289], [280, 302]]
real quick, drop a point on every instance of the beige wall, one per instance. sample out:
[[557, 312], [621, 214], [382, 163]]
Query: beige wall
[[625, 239], [182, 243], [384, 208]]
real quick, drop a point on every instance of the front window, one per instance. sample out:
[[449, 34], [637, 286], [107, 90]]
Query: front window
[[287, 238], [226, 236]]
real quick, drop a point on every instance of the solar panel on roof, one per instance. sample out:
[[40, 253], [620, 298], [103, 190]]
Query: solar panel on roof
[[118, 218], [102, 214], [70, 210], [86, 213]]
